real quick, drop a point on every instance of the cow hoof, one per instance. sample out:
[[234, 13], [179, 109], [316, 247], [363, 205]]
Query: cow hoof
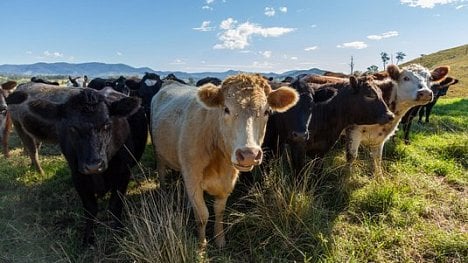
[[407, 142]]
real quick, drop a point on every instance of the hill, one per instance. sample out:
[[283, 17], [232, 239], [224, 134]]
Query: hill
[[96, 69], [457, 59]]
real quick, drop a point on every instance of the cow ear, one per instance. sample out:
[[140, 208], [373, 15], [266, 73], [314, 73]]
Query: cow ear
[[210, 96], [324, 94], [16, 97], [45, 109], [440, 73], [124, 107], [282, 99], [9, 85], [354, 83], [393, 71]]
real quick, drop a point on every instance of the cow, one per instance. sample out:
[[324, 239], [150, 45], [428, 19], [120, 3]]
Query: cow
[[117, 84], [39, 80], [77, 81], [439, 89], [292, 127], [211, 133], [102, 134], [150, 84], [171, 76], [357, 101], [402, 89], [212, 80], [5, 119]]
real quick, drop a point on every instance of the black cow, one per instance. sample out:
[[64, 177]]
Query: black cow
[[117, 84], [150, 84], [171, 76], [77, 82], [5, 119], [439, 90], [100, 136], [357, 102], [291, 127], [212, 80], [38, 80]]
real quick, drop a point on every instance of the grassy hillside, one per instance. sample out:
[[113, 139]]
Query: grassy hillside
[[418, 213], [457, 59]]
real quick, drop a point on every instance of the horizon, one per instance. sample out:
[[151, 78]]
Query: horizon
[[221, 35]]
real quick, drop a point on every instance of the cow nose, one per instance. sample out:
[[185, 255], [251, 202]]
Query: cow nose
[[249, 156], [387, 117], [299, 136], [424, 95], [95, 167]]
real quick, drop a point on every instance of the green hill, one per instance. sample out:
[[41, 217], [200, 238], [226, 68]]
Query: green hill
[[457, 59]]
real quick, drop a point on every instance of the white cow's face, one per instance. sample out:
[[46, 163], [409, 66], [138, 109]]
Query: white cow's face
[[414, 82], [243, 104]]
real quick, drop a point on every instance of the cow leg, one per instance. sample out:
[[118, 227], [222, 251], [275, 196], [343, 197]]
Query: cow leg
[[406, 130], [6, 132], [118, 190], [195, 195], [353, 137], [83, 187], [31, 147], [219, 206], [161, 168], [377, 159], [428, 110], [297, 158], [421, 112]]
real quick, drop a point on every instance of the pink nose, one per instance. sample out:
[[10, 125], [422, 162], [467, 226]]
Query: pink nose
[[424, 95], [249, 156]]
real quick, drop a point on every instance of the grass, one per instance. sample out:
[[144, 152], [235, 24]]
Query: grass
[[417, 213]]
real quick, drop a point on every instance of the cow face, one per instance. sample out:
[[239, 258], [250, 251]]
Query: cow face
[[368, 102], [243, 104], [414, 82], [90, 130]]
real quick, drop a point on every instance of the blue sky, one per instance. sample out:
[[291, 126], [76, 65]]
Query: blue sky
[[216, 35]]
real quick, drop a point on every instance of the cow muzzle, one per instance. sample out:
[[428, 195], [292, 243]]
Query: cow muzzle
[[299, 136], [424, 95], [247, 158], [386, 118], [96, 167]]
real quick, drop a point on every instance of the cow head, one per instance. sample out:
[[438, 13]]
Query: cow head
[[90, 129], [77, 81], [414, 82], [440, 89], [243, 103], [5, 89], [367, 100]]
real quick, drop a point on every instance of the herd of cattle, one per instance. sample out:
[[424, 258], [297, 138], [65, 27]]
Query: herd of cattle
[[212, 132]]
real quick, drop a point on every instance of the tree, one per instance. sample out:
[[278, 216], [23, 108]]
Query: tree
[[372, 69], [385, 58], [400, 56], [352, 65]]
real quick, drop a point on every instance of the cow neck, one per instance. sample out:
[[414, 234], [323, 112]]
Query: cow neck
[[389, 93]]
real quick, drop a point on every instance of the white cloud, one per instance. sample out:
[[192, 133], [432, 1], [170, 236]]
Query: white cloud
[[119, 53], [283, 9], [55, 54], [459, 7], [427, 3], [178, 62], [311, 48], [205, 26], [269, 11], [313, 26], [239, 36], [266, 53], [209, 2], [207, 7], [294, 58], [227, 23], [383, 35], [355, 45]]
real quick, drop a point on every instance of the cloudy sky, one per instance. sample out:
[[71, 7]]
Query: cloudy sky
[[217, 35]]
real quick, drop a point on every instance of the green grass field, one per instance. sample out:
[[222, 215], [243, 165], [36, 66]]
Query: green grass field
[[418, 213]]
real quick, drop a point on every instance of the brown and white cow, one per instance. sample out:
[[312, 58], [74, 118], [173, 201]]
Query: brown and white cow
[[211, 133], [5, 119], [402, 90]]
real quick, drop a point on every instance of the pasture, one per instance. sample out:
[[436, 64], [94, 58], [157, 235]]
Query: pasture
[[417, 213]]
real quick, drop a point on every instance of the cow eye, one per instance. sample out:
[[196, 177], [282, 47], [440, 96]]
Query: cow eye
[[226, 110], [267, 112], [3, 112], [406, 78]]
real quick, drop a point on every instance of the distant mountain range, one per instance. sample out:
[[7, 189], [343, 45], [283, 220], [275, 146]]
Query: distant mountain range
[[96, 69]]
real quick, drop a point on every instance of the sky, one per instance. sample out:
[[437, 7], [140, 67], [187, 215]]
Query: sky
[[218, 35]]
